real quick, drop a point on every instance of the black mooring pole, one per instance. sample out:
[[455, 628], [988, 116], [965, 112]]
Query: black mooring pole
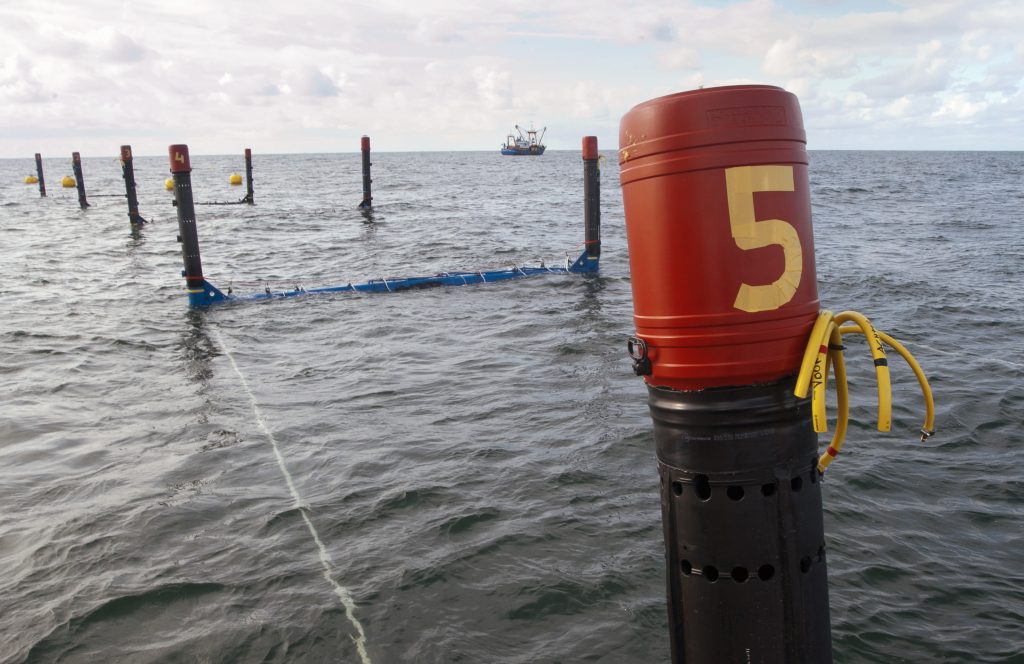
[[721, 326], [592, 196], [76, 166], [39, 172], [128, 171], [367, 201], [248, 178], [188, 236], [742, 520]]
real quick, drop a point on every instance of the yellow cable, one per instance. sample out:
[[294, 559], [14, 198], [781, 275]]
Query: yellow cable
[[835, 343], [881, 366], [928, 428], [819, 380], [803, 379], [824, 352]]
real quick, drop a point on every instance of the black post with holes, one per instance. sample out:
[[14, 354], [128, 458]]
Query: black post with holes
[[592, 196], [76, 166], [742, 517], [188, 235], [249, 196], [364, 145], [128, 172], [39, 174]]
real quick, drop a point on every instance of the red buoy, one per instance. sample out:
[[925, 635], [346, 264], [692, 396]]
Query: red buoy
[[717, 207], [590, 147]]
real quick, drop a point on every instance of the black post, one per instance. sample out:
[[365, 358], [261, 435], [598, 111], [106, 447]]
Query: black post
[[248, 178], [742, 518], [592, 196], [128, 171], [76, 166], [367, 201], [188, 236], [721, 327], [39, 172]]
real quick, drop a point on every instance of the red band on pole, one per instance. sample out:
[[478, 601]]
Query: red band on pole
[[364, 143], [831, 451], [590, 147], [75, 157], [126, 153], [179, 159]]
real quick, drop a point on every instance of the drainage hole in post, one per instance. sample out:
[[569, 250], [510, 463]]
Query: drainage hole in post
[[703, 486]]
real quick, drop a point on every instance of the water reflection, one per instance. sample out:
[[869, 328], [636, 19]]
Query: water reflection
[[197, 349], [591, 302]]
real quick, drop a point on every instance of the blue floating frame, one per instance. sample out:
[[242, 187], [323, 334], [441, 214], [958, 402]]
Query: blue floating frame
[[209, 294]]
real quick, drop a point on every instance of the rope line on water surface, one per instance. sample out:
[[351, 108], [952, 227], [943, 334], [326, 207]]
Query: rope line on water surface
[[222, 202], [343, 594]]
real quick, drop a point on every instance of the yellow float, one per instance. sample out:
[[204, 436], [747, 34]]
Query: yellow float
[[235, 178], [31, 179], [169, 184], [68, 182]]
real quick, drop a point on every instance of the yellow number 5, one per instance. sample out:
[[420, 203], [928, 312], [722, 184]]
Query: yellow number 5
[[740, 184]]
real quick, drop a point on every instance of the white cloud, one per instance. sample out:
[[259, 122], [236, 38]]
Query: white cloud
[[442, 74], [789, 57], [679, 58], [960, 107]]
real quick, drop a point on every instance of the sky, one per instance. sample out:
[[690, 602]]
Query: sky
[[315, 75]]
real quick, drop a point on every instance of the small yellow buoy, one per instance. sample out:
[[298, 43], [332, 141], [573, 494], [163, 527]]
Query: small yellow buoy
[[68, 181], [235, 178], [31, 179], [169, 184]]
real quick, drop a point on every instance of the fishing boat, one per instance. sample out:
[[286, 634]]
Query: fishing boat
[[518, 144]]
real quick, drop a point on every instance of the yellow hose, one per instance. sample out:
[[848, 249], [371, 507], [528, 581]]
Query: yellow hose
[[928, 428], [824, 353], [819, 380], [835, 343], [803, 379], [881, 366]]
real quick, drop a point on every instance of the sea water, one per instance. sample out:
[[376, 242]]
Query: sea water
[[463, 474]]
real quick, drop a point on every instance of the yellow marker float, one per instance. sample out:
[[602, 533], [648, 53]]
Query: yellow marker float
[[235, 178], [68, 182]]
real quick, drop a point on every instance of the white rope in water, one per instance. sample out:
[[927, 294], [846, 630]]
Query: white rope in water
[[325, 561]]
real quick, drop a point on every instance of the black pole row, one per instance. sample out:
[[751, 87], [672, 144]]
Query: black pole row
[[181, 171], [128, 173]]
